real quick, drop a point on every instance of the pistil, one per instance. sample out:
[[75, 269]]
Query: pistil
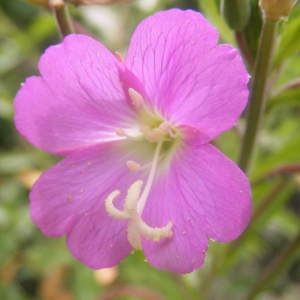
[[133, 207]]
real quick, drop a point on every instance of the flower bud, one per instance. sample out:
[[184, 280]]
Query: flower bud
[[276, 9], [236, 13]]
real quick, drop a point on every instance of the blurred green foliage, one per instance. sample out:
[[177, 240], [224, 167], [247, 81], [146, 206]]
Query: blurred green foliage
[[35, 267]]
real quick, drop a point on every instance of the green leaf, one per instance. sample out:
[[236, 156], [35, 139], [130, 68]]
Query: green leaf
[[286, 97], [288, 153]]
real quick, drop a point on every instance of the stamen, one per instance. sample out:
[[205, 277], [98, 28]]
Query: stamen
[[168, 128], [133, 165], [161, 133], [120, 132], [153, 135], [119, 56], [111, 209], [136, 98]]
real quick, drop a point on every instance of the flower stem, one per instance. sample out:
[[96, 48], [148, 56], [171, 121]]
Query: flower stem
[[283, 170], [275, 268], [243, 46], [62, 16], [294, 84], [258, 91]]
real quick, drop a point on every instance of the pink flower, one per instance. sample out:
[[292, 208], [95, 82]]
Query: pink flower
[[138, 170]]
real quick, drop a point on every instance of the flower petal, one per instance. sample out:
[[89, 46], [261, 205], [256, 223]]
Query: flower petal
[[98, 240], [205, 195], [187, 77], [78, 101], [185, 250], [68, 199]]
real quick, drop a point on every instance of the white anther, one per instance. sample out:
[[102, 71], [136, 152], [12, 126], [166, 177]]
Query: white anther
[[172, 133], [131, 134], [133, 195], [156, 135], [136, 98], [153, 135], [120, 132], [160, 133], [133, 165], [167, 127], [111, 209]]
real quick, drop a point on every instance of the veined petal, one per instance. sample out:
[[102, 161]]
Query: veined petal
[[205, 195], [99, 240], [78, 101], [68, 199], [189, 78], [185, 250]]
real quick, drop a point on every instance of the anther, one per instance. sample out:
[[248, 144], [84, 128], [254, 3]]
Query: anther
[[167, 127], [136, 98], [120, 132], [133, 165], [133, 135], [119, 56]]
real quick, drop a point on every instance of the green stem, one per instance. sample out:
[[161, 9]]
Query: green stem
[[282, 170], [243, 46], [275, 268], [257, 97], [294, 84], [62, 16]]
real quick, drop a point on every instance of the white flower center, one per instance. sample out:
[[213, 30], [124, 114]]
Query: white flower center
[[137, 196]]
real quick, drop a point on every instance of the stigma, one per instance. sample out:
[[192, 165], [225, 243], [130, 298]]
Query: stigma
[[137, 227], [134, 203]]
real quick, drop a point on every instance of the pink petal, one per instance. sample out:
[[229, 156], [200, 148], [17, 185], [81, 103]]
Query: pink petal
[[78, 101], [187, 77], [185, 250], [98, 240], [69, 199], [205, 195]]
